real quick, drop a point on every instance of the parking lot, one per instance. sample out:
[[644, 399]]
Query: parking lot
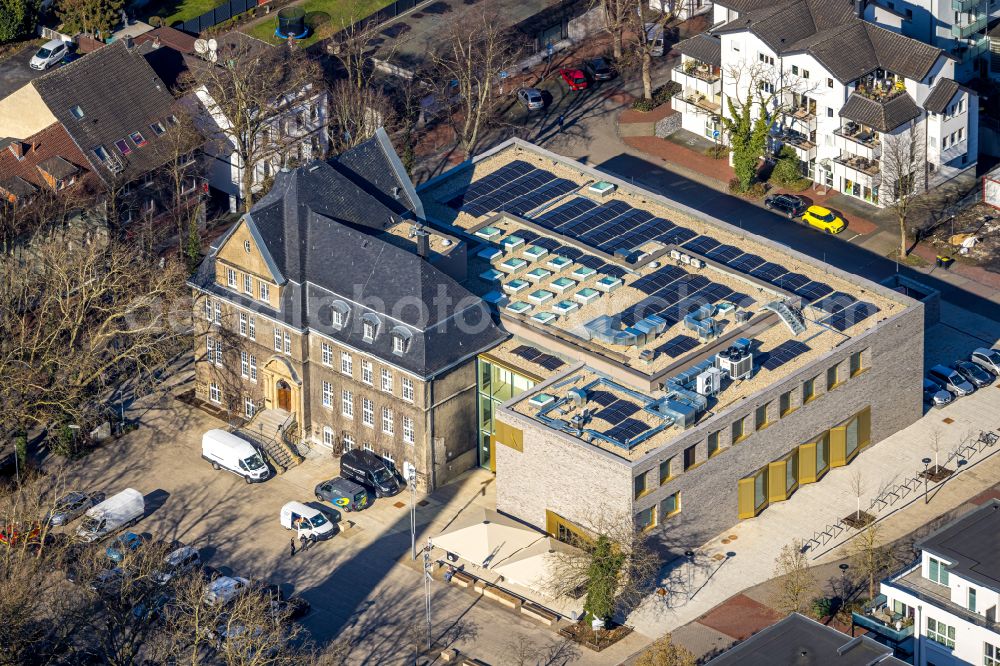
[[361, 583], [15, 72]]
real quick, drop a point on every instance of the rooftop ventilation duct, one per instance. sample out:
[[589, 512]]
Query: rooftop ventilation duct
[[577, 396], [605, 329], [700, 321]]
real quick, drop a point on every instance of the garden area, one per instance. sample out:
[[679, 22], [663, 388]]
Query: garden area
[[323, 18], [169, 12]]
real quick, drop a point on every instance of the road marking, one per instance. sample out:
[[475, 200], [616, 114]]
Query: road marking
[[853, 237]]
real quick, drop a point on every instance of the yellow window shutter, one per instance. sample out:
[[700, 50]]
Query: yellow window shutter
[[865, 427], [491, 442], [807, 463], [746, 497], [776, 481], [838, 446]]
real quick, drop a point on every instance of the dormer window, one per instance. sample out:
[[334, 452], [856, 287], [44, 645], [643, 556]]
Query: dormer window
[[102, 153], [369, 327], [340, 314], [77, 111], [401, 338], [158, 128], [123, 147], [138, 139]]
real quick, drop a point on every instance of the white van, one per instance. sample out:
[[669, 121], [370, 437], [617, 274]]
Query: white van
[[308, 522], [654, 37], [227, 451], [113, 514]]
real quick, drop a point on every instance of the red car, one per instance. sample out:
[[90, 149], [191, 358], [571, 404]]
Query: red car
[[574, 78]]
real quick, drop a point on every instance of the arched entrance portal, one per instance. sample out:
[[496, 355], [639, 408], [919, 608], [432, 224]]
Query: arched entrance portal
[[284, 395]]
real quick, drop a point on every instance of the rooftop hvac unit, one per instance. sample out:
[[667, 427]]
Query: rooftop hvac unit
[[743, 316], [685, 258], [737, 362], [577, 396], [675, 254], [697, 263], [709, 382]]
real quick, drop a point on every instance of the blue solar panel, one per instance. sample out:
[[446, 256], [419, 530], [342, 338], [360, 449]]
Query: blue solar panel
[[769, 271], [724, 253], [546, 193], [746, 262], [617, 411], [488, 184], [657, 280], [783, 353], [651, 227], [701, 244], [616, 228], [851, 315], [814, 290], [603, 398], [595, 218], [676, 346], [834, 303], [678, 235], [741, 299], [565, 212], [627, 430], [791, 281]]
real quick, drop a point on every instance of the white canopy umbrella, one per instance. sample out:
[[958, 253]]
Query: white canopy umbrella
[[485, 538], [534, 566]]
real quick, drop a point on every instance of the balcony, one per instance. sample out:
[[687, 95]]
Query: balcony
[[802, 118], [804, 148], [699, 78], [880, 90], [964, 31], [877, 617], [966, 5], [700, 70], [695, 102], [912, 582], [859, 140], [869, 167]]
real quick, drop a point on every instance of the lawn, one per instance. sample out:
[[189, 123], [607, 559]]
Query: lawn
[[172, 11], [320, 13]]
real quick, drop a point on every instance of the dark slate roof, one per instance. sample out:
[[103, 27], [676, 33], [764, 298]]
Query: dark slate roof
[[704, 47], [847, 46], [799, 641], [884, 117], [57, 167], [17, 186], [971, 544], [744, 5], [119, 93], [320, 233], [375, 167], [941, 95]]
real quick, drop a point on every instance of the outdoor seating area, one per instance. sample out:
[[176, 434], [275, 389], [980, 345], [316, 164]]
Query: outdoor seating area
[[700, 101], [880, 86], [858, 163], [700, 70], [859, 133]]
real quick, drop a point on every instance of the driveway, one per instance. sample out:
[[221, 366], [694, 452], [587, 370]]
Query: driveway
[[15, 73]]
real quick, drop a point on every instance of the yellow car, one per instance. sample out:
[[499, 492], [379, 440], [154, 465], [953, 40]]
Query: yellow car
[[825, 219]]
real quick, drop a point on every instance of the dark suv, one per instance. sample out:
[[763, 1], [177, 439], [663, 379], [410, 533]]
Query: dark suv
[[598, 69], [788, 205]]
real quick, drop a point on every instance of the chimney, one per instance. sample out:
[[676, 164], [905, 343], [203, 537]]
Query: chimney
[[859, 8], [423, 242], [18, 148], [129, 43]]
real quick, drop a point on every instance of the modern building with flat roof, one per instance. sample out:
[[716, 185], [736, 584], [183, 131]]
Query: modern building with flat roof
[[799, 641], [942, 610], [663, 364]]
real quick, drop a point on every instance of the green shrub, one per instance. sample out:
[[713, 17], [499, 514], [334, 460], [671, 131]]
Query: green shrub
[[643, 104], [717, 152], [757, 190], [787, 169], [822, 607], [663, 94], [155, 21]]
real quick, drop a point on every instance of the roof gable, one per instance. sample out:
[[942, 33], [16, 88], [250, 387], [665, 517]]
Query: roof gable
[[244, 247]]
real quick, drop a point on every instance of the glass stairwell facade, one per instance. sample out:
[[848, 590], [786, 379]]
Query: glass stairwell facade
[[497, 383]]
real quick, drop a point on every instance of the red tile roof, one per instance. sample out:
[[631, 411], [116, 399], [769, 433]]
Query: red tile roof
[[175, 39], [53, 141]]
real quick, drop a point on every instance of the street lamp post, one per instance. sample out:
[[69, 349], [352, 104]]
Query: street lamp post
[[689, 554], [844, 566], [926, 462], [427, 590], [411, 479]]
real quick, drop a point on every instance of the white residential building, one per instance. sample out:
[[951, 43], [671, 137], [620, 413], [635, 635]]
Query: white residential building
[[841, 90], [681, 9], [949, 598]]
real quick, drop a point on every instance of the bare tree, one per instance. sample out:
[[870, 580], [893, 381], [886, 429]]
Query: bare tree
[[640, 22], [858, 490], [901, 167], [616, 15], [252, 94], [796, 580], [178, 176], [352, 42], [664, 652], [466, 66], [870, 556], [355, 114]]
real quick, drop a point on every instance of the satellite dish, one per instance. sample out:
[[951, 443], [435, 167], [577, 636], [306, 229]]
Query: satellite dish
[[213, 56], [213, 45], [201, 46]]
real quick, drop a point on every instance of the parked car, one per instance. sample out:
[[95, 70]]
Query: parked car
[[786, 204], [936, 396], [177, 562], [308, 523], [371, 471], [598, 69], [950, 380], [343, 494], [106, 581], [574, 78], [282, 607], [122, 545], [987, 358], [222, 590], [234, 454], [531, 98], [654, 37], [49, 54], [974, 374], [824, 219], [13, 534], [113, 514], [71, 506]]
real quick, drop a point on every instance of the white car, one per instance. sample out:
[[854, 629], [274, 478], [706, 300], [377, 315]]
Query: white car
[[224, 589], [987, 358], [51, 52]]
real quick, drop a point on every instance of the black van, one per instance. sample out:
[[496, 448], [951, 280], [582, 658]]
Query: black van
[[371, 471]]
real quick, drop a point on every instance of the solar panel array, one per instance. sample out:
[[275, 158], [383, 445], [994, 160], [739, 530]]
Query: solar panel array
[[851, 315], [676, 346], [674, 294], [627, 430], [783, 353], [547, 361], [617, 411]]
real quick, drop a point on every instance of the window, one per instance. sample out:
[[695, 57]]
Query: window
[[348, 440], [856, 366], [253, 328], [367, 412], [939, 632], [760, 417], [690, 457], [972, 599], [398, 344], [408, 429], [368, 447], [938, 571], [785, 403], [327, 394], [218, 353], [795, 70], [670, 506], [339, 316], [639, 485], [218, 312], [288, 343], [243, 324], [407, 389], [248, 407], [347, 404], [248, 284], [253, 368], [829, 83], [231, 278], [808, 390], [265, 292], [829, 112], [326, 351], [102, 153], [277, 339], [346, 363], [370, 329], [123, 147], [214, 394], [158, 128], [831, 378], [245, 364], [366, 372], [991, 655], [646, 519], [739, 429], [713, 443], [138, 139], [208, 309], [77, 111], [386, 380], [327, 436], [387, 421], [805, 73], [246, 246], [665, 474], [766, 59]]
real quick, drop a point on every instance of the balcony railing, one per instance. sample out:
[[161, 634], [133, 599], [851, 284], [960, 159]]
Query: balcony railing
[[704, 72], [880, 91], [858, 134], [862, 164], [699, 101], [874, 623], [963, 31], [913, 582], [966, 5]]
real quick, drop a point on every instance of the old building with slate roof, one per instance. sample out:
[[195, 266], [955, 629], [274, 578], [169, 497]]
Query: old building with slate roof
[[331, 307], [845, 88]]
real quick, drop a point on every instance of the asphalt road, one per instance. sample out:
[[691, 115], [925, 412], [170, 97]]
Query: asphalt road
[[15, 72]]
